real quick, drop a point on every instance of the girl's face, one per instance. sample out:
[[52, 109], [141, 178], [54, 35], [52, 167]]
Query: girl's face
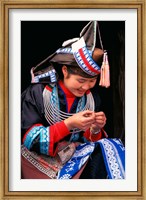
[[76, 84]]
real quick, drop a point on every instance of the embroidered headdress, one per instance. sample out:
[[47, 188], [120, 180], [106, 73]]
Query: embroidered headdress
[[77, 52]]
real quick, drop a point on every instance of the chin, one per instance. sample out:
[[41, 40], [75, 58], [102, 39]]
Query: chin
[[79, 94]]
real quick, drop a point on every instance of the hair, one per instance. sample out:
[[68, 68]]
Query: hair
[[71, 70]]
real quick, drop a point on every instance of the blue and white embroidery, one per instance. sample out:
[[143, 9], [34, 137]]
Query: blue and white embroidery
[[32, 134], [79, 158], [113, 153], [51, 74], [44, 141], [114, 157], [43, 134]]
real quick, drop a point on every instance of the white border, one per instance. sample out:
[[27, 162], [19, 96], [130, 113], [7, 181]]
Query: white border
[[130, 18]]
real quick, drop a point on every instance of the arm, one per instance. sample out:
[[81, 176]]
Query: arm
[[96, 131], [37, 135]]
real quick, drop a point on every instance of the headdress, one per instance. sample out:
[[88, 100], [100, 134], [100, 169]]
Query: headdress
[[77, 52]]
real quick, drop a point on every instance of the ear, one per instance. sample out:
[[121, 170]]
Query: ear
[[64, 71]]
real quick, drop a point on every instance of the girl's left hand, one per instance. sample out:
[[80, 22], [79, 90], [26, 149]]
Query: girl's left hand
[[100, 121]]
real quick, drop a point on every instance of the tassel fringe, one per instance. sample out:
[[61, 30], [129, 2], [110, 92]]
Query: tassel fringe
[[105, 73]]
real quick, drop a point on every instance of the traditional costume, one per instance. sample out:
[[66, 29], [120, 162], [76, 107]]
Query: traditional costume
[[49, 149]]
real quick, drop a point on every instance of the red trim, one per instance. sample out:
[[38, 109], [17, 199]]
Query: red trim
[[95, 137], [67, 92], [51, 142], [29, 130], [48, 88], [70, 97], [88, 91], [87, 63], [57, 132]]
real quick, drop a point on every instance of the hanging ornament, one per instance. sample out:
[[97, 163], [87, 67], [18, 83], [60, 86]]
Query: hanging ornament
[[105, 73]]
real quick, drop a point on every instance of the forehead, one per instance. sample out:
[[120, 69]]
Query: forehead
[[75, 76]]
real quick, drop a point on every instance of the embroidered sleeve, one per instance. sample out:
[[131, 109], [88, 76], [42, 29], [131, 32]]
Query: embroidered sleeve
[[37, 135], [42, 139]]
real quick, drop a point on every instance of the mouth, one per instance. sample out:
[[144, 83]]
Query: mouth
[[81, 91]]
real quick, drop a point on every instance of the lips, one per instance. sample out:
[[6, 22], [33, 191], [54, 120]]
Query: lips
[[81, 91]]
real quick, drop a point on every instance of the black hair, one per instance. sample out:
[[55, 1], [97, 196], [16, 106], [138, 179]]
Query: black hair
[[71, 70]]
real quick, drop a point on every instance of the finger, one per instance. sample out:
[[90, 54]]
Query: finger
[[86, 127], [100, 113], [100, 119], [88, 116], [89, 120], [90, 123], [87, 113], [103, 118], [100, 122]]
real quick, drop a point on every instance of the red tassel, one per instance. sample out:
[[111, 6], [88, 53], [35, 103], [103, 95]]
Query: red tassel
[[105, 73]]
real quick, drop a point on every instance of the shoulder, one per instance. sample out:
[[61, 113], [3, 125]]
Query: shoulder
[[35, 91], [32, 91]]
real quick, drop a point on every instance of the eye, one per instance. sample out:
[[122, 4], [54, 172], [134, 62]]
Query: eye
[[81, 80], [92, 81]]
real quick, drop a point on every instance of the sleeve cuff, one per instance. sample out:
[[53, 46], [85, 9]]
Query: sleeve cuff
[[95, 137]]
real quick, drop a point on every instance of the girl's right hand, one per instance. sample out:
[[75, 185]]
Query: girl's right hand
[[81, 120]]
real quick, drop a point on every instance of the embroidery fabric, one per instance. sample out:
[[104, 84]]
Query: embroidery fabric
[[114, 157], [86, 62], [113, 153], [81, 155], [47, 165], [36, 131]]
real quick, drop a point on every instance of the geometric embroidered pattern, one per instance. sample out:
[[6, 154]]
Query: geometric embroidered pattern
[[50, 74], [81, 155], [30, 157], [68, 50], [112, 158], [43, 133], [113, 153], [85, 61], [64, 50], [31, 135], [44, 140]]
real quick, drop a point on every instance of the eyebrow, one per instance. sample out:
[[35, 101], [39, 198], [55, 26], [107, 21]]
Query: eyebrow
[[86, 79]]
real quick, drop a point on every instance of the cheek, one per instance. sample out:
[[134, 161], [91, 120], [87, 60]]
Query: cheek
[[93, 84], [74, 84]]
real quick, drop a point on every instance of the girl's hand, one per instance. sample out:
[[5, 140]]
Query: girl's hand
[[81, 120], [100, 121]]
